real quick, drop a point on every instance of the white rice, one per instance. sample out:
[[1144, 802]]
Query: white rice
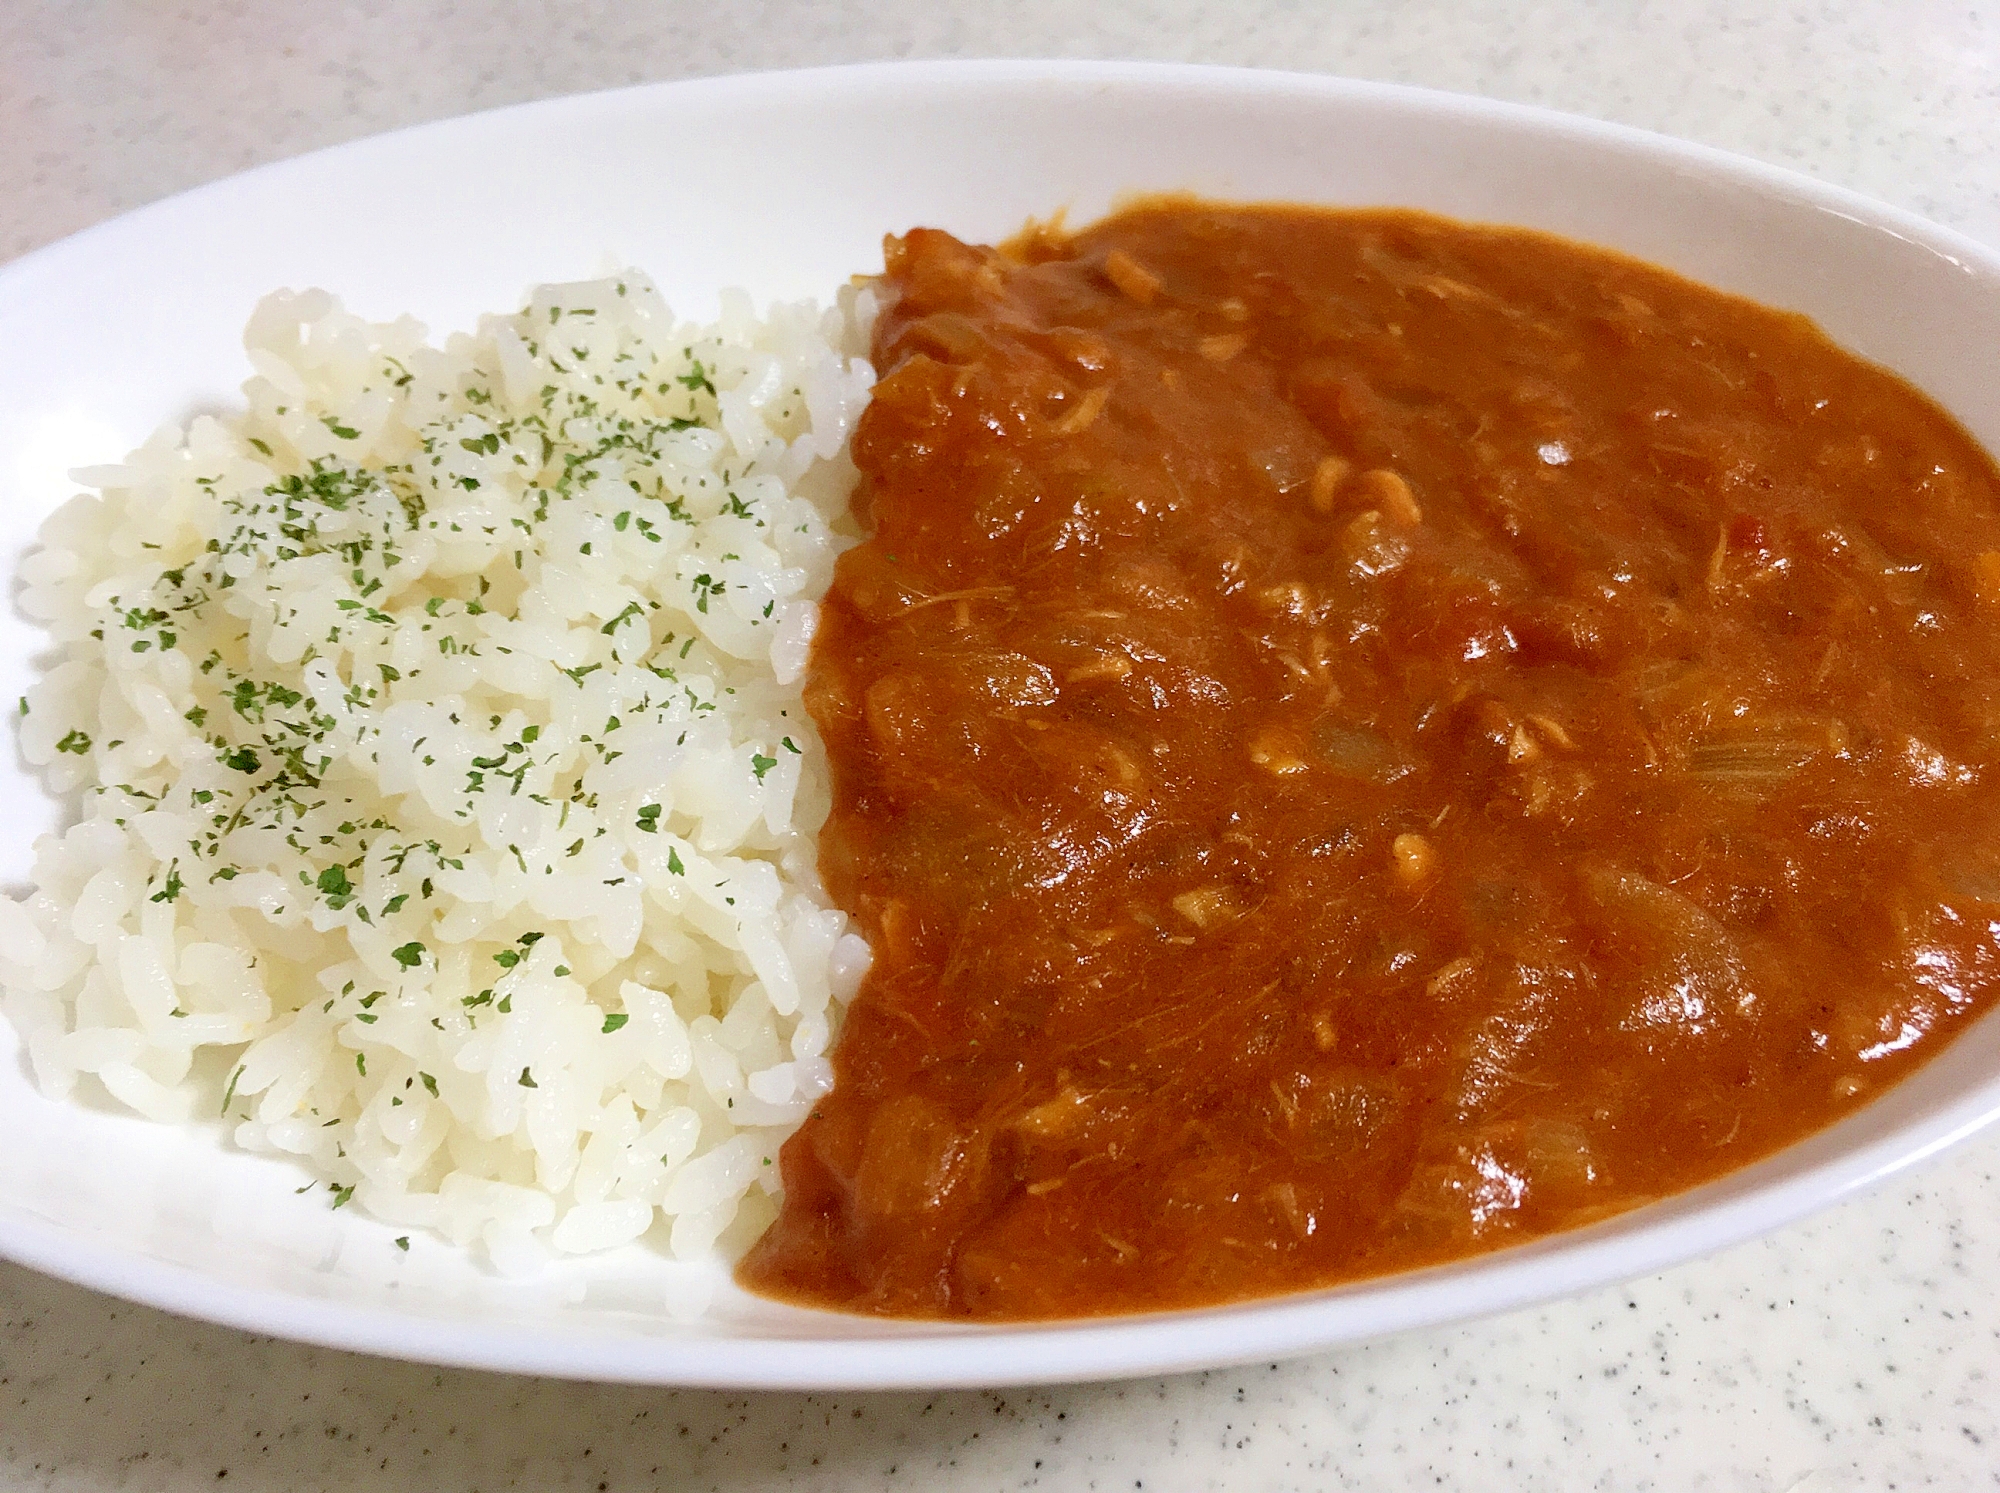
[[448, 805]]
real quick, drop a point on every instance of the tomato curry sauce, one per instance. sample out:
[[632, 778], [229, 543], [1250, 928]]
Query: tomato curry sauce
[[1358, 739]]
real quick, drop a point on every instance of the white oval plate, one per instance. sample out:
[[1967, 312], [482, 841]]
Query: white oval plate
[[786, 183]]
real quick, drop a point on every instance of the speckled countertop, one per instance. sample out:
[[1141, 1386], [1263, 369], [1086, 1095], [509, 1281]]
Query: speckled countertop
[[1860, 1351]]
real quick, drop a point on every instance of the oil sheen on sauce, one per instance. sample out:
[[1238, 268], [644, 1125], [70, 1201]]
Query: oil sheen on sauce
[[1359, 739]]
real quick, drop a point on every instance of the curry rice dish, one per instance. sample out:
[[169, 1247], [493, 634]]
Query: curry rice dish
[[1352, 740], [1358, 739]]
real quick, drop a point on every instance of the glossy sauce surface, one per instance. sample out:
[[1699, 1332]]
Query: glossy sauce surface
[[1360, 739]]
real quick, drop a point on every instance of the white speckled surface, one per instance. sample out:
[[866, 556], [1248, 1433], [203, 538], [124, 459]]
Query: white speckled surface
[[1857, 1352]]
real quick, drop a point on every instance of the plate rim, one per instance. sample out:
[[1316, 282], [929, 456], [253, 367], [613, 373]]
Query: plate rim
[[1219, 77]]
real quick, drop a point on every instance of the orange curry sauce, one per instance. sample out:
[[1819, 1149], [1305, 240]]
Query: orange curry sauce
[[1358, 739]]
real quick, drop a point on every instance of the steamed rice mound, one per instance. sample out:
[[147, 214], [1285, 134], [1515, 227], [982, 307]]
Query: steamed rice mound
[[447, 802]]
